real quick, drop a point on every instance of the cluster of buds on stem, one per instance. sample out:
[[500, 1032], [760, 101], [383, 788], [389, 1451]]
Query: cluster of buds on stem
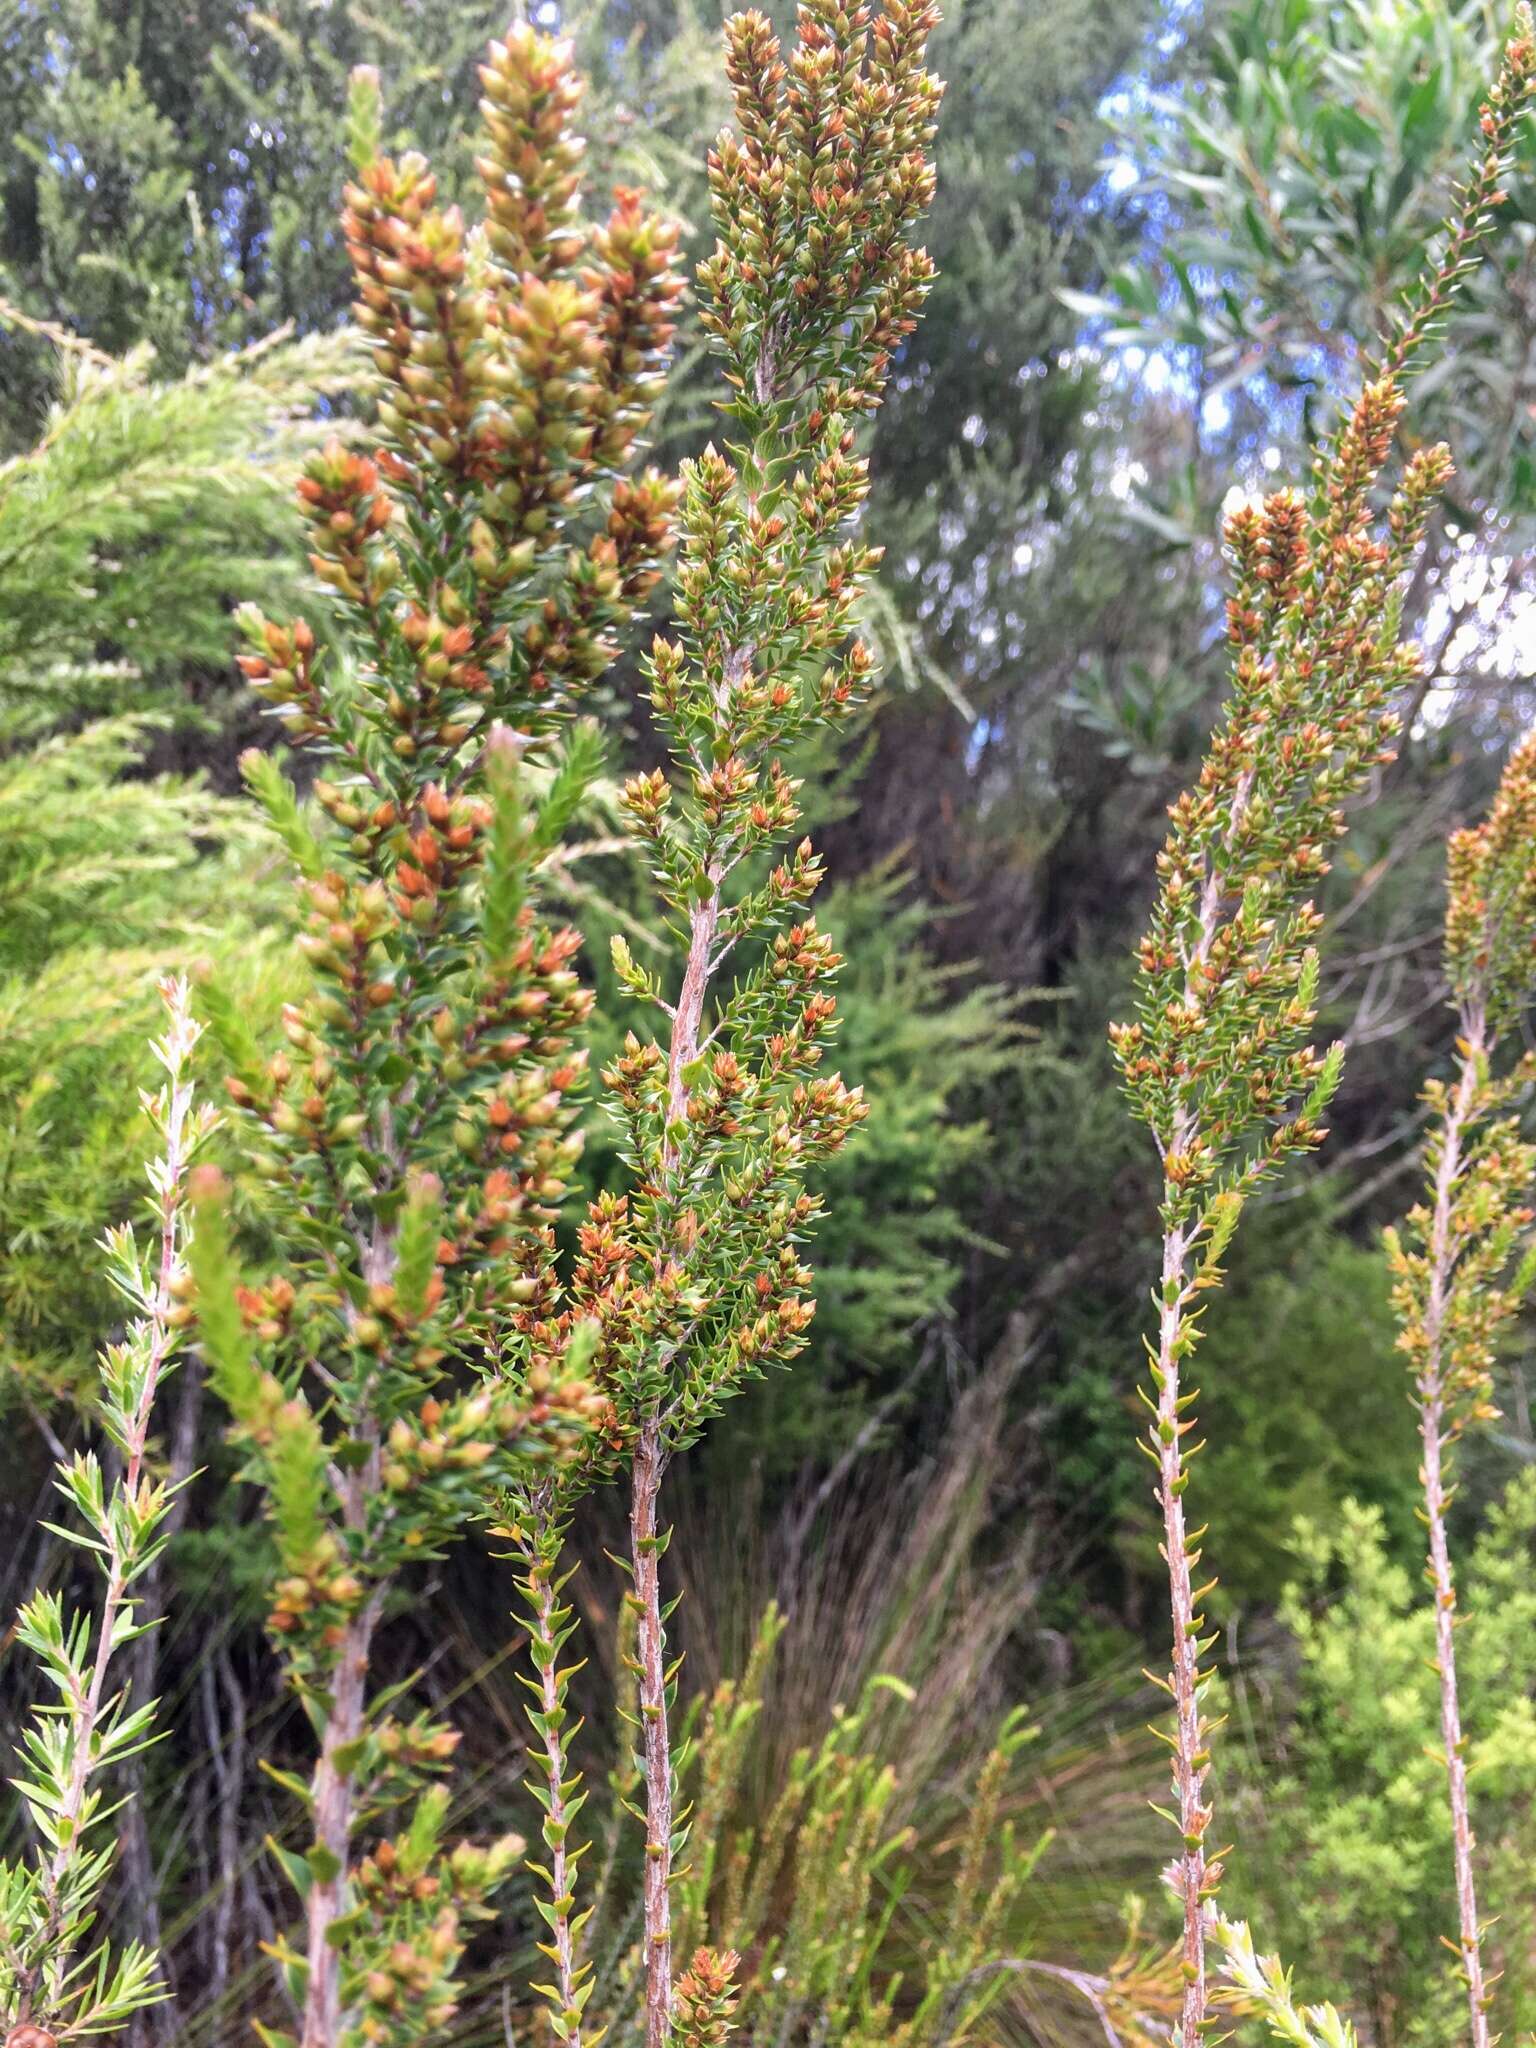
[[706, 1999], [412, 1137], [1218, 1062], [416, 1902]]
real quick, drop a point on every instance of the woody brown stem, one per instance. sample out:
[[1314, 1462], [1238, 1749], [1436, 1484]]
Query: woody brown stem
[[1193, 1876], [1443, 1579], [334, 1808], [1436, 1442], [645, 1545], [335, 1794], [1191, 1761]]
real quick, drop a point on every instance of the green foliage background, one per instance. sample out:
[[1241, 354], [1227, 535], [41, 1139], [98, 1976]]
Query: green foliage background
[[1157, 233]]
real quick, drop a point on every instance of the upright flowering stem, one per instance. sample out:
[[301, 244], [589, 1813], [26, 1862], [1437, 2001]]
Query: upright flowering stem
[[692, 1282], [811, 285], [1458, 1264], [1217, 1063], [413, 1138]]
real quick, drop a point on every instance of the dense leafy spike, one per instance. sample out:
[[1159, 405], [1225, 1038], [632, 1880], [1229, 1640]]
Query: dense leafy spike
[[411, 1141]]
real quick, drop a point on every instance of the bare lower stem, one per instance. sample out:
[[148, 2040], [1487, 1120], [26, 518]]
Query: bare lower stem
[[1432, 1434], [1444, 1583], [1192, 1876], [645, 1547]]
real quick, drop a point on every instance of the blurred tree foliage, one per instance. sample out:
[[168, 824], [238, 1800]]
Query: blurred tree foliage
[[102, 881], [172, 175], [143, 509], [1295, 185], [148, 506]]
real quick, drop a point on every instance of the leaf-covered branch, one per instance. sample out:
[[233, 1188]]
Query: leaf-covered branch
[[56, 1976]]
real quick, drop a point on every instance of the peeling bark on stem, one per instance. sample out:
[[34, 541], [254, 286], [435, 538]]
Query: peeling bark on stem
[[1432, 1417], [704, 925], [334, 1807], [645, 1543]]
